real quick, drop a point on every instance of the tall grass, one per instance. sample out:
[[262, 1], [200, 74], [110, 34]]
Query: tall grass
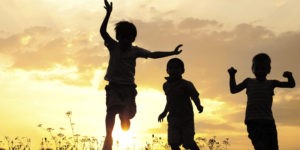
[[159, 143], [58, 140], [15, 143]]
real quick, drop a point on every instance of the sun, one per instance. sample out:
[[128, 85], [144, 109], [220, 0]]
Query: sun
[[123, 139]]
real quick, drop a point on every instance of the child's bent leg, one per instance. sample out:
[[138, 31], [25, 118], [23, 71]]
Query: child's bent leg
[[125, 119], [127, 113]]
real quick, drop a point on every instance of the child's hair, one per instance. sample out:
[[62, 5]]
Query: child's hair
[[176, 61], [262, 58], [126, 29]]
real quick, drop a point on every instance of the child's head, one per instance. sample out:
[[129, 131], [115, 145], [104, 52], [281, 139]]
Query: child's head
[[175, 67], [261, 65], [125, 32]]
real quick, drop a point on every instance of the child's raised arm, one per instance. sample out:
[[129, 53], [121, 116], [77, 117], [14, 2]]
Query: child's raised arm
[[287, 84], [158, 54], [108, 7], [235, 88]]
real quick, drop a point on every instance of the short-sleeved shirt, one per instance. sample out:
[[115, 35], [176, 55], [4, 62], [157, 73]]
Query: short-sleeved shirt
[[121, 67], [260, 99], [178, 94]]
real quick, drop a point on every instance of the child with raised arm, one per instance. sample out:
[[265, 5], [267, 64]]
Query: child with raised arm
[[179, 93], [121, 89], [259, 119]]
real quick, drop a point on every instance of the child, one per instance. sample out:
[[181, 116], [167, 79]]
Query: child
[[259, 118], [121, 90], [181, 128]]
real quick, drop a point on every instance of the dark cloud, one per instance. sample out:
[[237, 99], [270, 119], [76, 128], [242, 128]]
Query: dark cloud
[[207, 56], [45, 57], [195, 23], [287, 112], [237, 117], [285, 108], [42, 49], [205, 127], [207, 53]]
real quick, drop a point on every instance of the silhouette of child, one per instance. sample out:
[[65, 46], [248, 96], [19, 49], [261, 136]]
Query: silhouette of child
[[121, 90], [259, 119], [179, 91]]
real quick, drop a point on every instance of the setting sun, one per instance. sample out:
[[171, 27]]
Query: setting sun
[[123, 139]]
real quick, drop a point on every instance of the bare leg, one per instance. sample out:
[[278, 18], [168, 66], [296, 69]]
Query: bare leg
[[125, 119], [109, 122]]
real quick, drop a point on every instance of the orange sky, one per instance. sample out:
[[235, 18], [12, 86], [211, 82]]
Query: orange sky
[[52, 60]]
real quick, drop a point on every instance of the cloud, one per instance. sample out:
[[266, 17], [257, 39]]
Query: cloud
[[286, 113], [218, 48], [206, 127], [195, 23], [46, 49], [207, 53], [19, 15], [285, 108]]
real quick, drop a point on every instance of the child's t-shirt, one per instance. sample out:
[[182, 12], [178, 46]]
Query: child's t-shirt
[[121, 67], [178, 95], [260, 99]]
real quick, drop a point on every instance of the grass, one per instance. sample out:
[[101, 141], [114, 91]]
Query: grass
[[60, 141]]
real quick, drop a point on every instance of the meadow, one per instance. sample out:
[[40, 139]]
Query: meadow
[[61, 142], [56, 139]]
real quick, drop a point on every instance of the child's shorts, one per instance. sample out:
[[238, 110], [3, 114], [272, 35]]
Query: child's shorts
[[122, 98], [181, 132], [263, 134]]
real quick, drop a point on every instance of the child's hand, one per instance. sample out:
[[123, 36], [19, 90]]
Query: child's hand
[[108, 6], [232, 71], [161, 117], [287, 74], [200, 109], [176, 50]]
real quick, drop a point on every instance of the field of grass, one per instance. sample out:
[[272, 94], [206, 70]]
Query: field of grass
[[58, 140]]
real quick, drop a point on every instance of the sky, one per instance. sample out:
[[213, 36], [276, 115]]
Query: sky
[[52, 60]]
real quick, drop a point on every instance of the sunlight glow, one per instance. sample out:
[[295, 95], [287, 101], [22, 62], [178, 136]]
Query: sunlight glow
[[211, 109], [5, 61], [98, 78], [69, 45], [26, 39], [123, 139], [212, 105], [58, 70], [66, 30]]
